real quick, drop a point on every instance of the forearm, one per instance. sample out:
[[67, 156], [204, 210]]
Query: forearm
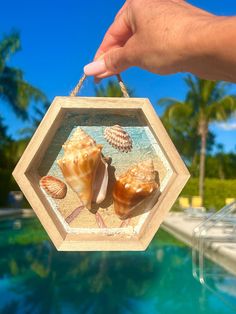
[[211, 49]]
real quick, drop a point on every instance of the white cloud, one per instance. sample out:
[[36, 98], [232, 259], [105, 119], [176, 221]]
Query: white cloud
[[227, 126], [230, 125]]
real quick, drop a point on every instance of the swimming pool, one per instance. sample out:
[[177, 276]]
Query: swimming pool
[[35, 278]]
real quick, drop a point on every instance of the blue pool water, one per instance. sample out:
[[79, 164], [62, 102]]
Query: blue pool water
[[35, 278]]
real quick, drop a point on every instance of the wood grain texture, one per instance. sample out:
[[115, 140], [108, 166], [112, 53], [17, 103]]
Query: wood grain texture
[[27, 177]]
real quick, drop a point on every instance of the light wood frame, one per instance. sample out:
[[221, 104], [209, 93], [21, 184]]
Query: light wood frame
[[27, 178]]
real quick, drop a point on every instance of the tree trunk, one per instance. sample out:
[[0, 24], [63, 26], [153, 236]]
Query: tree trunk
[[202, 163], [221, 172]]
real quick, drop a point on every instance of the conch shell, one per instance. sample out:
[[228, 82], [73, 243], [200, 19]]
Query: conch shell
[[83, 168], [132, 187], [53, 187], [118, 138]]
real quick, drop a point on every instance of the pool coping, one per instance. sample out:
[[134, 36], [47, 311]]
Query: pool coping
[[8, 212], [181, 226]]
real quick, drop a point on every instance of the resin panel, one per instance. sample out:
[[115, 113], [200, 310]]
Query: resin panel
[[102, 216]]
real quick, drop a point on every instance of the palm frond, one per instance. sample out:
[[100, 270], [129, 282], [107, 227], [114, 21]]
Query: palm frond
[[177, 116], [207, 90], [191, 83], [14, 150], [17, 92], [178, 110], [220, 91], [167, 101], [4, 137], [193, 95], [112, 89], [222, 109], [8, 46], [100, 91]]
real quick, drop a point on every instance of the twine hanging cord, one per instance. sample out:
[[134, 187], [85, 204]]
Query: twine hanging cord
[[78, 86]]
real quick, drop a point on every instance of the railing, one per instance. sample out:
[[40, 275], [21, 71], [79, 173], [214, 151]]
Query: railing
[[214, 253]]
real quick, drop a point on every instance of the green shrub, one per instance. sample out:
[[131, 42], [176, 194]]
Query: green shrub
[[216, 191], [7, 183]]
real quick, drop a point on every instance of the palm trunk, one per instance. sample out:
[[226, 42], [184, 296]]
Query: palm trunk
[[202, 164]]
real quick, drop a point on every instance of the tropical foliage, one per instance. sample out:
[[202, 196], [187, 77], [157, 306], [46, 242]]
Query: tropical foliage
[[216, 191], [36, 118], [221, 165], [206, 102], [112, 89], [218, 165], [4, 138], [15, 91], [17, 94]]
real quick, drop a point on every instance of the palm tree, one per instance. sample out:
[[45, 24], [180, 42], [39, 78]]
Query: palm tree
[[37, 116], [221, 158], [14, 90], [206, 102], [183, 132], [4, 138], [13, 150], [17, 94]]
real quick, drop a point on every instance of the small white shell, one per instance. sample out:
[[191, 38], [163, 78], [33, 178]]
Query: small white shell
[[53, 187], [118, 138]]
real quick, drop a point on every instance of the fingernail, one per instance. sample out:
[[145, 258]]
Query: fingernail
[[95, 68]]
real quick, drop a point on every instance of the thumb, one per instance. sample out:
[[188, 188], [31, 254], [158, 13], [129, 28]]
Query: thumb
[[118, 60]]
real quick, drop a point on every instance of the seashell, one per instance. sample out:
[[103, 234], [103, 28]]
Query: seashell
[[79, 140], [100, 182], [81, 167], [53, 187], [132, 187], [118, 138]]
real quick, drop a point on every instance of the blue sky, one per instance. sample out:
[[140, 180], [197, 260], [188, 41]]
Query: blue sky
[[60, 37]]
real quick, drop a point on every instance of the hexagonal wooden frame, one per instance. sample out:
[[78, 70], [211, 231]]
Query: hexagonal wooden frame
[[27, 178]]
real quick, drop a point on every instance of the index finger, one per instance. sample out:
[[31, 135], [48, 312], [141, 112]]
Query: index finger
[[117, 35]]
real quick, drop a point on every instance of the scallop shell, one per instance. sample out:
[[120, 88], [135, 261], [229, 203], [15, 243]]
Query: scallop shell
[[81, 165], [118, 138], [132, 187], [53, 187]]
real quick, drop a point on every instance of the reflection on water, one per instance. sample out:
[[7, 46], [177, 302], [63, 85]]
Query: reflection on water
[[35, 278]]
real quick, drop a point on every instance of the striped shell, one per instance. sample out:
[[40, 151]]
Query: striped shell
[[133, 186], [84, 169], [53, 187], [118, 138]]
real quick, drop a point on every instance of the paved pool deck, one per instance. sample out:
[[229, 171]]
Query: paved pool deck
[[182, 226], [8, 212]]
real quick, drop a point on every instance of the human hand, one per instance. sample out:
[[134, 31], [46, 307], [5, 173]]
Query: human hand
[[155, 35]]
